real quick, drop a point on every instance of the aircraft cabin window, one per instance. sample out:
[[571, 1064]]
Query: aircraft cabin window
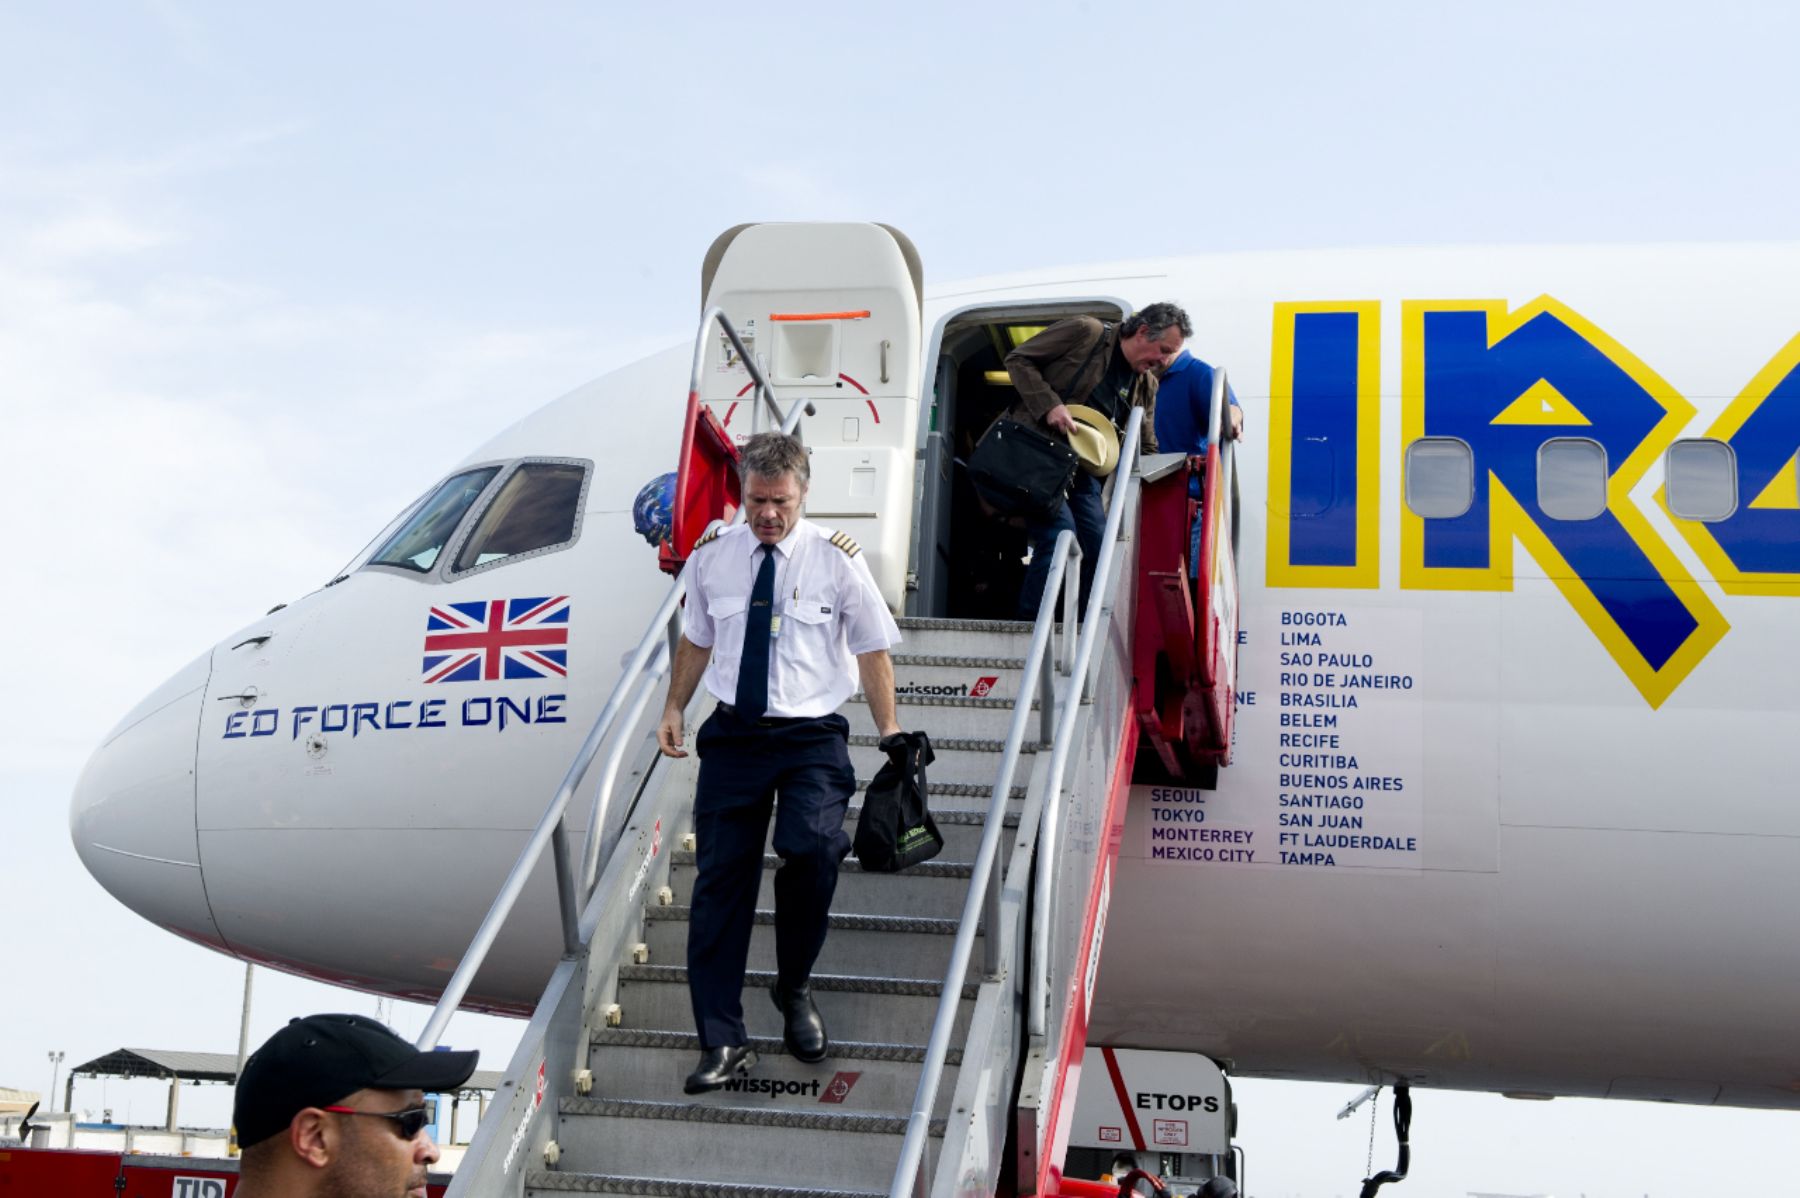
[[417, 545], [1571, 478], [1702, 478], [1440, 477], [535, 509]]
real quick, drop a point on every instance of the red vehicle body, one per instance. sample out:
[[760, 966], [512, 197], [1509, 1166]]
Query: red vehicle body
[[69, 1173]]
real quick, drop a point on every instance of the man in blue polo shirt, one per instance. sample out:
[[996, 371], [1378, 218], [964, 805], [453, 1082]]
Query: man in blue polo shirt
[[1182, 399], [1183, 403]]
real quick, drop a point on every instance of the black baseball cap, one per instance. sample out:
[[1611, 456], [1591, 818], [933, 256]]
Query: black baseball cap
[[322, 1059]]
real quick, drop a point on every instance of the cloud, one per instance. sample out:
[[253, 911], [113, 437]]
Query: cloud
[[180, 451], [183, 451], [46, 172], [93, 233]]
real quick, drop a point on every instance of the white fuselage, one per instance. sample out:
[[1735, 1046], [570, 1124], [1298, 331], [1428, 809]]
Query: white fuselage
[[1569, 763]]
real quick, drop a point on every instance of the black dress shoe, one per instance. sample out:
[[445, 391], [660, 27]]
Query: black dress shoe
[[803, 1029], [718, 1066]]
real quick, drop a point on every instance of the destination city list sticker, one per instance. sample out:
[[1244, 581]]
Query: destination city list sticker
[[1326, 768]]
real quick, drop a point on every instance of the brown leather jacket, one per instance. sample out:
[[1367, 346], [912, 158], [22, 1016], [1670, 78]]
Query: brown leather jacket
[[1064, 363]]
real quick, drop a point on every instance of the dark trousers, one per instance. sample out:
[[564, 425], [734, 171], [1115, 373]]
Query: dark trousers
[[1084, 513], [744, 765]]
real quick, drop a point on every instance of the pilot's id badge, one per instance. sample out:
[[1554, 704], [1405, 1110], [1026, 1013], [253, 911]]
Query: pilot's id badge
[[774, 626]]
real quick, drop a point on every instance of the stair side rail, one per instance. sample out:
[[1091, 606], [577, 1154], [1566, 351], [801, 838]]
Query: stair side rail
[[1067, 922], [601, 809], [1051, 820], [983, 902], [1216, 570], [551, 830]]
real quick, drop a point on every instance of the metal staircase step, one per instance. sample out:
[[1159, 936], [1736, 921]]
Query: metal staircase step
[[964, 638], [985, 719], [699, 1142], [975, 661], [545, 1181], [937, 867], [963, 676], [945, 792], [983, 745], [856, 944], [954, 623], [959, 759], [858, 1077], [935, 888], [856, 1008], [961, 828]]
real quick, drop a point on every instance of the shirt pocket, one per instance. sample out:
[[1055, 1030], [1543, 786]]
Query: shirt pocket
[[727, 614], [809, 612], [811, 666]]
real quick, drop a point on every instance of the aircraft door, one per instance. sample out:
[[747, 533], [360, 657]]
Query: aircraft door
[[967, 562], [831, 313]]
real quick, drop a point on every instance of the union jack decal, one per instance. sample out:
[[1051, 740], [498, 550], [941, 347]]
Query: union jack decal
[[492, 639]]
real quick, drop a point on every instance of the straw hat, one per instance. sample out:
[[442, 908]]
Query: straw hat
[[1094, 440]]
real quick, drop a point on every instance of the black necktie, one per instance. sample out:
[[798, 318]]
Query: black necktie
[[753, 667]]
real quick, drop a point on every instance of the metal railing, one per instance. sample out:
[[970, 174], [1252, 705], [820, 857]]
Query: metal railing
[[983, 901], [609, 773], [984, 884], [1045, 877], [1051, 819], [1216, 570], [1041, 948], [765, 394], [1227, 443], [551, 830], [1216, 404]]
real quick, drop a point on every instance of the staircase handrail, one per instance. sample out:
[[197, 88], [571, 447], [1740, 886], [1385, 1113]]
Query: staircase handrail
[[615, 758], [1218, 547], [1216, 404], [764, 392], [983, 901], [1051, 818], [1227, 458], [1220, 436], [551, 827]]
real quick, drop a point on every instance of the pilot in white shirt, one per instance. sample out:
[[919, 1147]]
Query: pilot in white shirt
[[827, 611], [783, 618]]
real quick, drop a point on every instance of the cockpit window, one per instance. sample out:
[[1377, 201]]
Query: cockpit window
[[417, 545], [535, 508]]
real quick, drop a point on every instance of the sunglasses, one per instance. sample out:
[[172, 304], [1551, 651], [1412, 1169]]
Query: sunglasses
[[407, 1123]]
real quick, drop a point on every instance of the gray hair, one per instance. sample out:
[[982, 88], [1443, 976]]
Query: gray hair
[[771, 455], [1156, 320]]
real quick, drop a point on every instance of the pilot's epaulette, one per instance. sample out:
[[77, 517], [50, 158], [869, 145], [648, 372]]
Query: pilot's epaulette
[[843, 541], [712, 534]]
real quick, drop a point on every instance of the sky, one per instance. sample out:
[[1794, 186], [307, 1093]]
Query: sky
[[264, 274]]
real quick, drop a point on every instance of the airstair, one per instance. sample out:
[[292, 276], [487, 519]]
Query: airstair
[[955, 993]]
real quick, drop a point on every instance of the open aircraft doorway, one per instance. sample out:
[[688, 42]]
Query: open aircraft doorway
[[970, 563]]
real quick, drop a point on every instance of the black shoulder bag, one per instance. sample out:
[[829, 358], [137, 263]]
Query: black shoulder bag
[[895, 829], [1021, 470]]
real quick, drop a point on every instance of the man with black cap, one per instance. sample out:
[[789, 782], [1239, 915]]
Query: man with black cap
[[333, 1106]]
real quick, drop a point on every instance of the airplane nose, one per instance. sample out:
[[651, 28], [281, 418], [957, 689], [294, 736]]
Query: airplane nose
[[132, 816]]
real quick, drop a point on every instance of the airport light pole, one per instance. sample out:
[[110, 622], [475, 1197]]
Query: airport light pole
[[244, 1023], [56, 1060]]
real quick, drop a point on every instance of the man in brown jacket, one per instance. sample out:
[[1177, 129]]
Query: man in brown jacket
[[1105, 366]]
